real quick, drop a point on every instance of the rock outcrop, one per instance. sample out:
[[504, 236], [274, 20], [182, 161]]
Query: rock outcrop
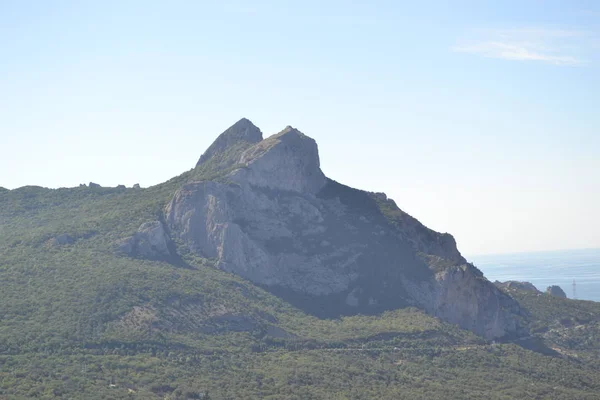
[[556, 291], [271, 238], [276, 220], [526, 286], [150, 241], [287, 161], [461, 295]]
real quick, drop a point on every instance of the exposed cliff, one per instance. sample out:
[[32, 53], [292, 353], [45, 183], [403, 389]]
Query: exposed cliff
[[276, 220]]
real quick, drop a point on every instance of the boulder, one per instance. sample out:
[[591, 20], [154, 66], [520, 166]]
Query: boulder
[[556, 291]]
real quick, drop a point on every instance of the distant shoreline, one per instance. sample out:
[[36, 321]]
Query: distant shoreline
[[546, 268], [468, 257]]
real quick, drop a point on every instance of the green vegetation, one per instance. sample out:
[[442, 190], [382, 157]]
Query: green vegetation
[[79, 321], [495, 372], [221, 163], [569, 327]]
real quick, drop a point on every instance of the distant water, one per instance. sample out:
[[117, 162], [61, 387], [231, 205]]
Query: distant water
[[547, 268]]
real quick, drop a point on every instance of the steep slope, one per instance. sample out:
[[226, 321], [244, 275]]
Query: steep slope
[[222, 153], [276, 220]]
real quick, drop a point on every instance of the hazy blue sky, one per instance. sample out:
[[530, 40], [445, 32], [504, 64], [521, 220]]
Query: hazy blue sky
[[479, 118]]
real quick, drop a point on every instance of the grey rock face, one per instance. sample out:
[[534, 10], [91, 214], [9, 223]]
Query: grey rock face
[[461, 295], [556, 291], [264, 236], [150, 241], [279, 222], [286, 161], [242, 131]]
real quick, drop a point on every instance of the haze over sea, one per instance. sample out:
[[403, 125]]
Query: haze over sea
[[547, 268]]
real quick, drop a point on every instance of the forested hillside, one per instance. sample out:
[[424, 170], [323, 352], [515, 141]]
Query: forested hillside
[[84, 316]]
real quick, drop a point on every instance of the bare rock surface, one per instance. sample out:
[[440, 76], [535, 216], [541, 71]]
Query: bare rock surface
[[461, 295], [268, 238], [287, 161]]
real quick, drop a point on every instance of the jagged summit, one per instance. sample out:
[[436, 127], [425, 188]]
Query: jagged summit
[[287, 161], [238, 137]]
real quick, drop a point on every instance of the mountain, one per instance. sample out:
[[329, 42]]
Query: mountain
[[253, 275], [276, 220]]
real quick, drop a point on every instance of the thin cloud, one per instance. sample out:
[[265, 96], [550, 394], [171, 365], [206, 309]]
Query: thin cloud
[[551, 46], [515, 52]]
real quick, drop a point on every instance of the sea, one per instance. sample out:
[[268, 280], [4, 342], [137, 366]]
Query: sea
[[577, 272]]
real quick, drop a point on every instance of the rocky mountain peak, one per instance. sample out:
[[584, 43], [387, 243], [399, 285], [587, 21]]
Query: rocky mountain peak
[[241, 134], [286, 161], [288, 128], [276, 220]]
